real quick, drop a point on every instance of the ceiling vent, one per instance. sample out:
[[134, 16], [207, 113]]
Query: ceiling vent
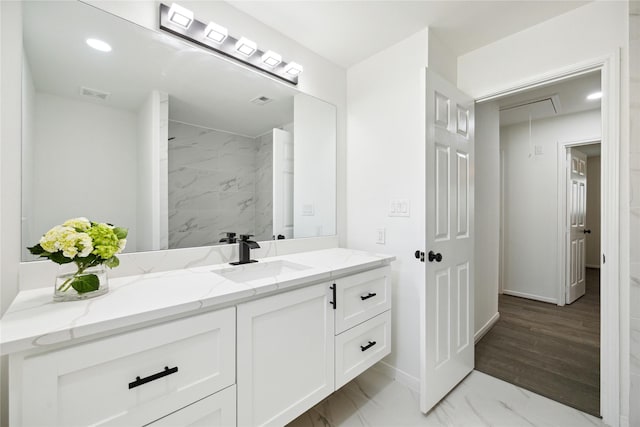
[[94, 93], [261, 100]]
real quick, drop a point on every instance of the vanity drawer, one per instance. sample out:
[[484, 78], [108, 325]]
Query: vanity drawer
[[218, 410], [97, 383], [362, 296], [361, 347]]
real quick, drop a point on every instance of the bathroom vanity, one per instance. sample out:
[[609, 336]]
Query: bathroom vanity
[[257, 344]]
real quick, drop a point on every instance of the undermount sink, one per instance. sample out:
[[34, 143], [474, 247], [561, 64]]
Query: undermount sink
[[260, 270]]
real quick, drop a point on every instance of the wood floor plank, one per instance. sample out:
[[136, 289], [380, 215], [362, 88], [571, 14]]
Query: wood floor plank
[[550, 350]]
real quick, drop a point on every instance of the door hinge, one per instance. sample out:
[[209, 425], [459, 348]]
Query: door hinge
[[604, 259]]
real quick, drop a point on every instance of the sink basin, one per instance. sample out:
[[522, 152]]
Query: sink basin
[[260, 270]]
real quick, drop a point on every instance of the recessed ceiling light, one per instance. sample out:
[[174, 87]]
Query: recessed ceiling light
[[216, 33], [99, 45], [180, 16], [594, 96], [293, 69], [246, 46], [271, 59]]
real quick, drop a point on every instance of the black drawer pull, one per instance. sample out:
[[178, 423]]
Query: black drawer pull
[[368, 346], [140, 381], [370, 295], [334, 303]]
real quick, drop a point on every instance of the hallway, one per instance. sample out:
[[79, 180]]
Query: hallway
[[550, 350]]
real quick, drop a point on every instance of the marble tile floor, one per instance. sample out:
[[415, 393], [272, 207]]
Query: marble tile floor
[[374, 399]]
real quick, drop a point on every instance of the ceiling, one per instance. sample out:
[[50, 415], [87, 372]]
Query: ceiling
[[566, 97], [346, 32], [203, 89]]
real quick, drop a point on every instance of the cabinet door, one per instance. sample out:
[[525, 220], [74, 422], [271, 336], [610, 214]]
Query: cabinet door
[[218, 410], [285, 355]]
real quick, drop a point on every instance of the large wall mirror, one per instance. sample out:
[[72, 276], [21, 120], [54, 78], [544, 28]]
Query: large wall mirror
[[161, 137]]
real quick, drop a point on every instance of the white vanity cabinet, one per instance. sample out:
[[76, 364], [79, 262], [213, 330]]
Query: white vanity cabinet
[[130, 379], [285, 355], [363, 322]]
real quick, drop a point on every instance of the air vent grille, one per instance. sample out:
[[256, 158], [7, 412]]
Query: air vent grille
[[261, 100], [94, 93]]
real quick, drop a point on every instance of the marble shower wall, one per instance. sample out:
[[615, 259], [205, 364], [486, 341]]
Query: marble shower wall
[[212, 185], [634, 241], [264, 188]]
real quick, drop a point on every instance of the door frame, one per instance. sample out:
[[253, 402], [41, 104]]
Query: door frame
[[609, 66], [562, 211]]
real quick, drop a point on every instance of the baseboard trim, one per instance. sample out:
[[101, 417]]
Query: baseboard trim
[[486, 328], [529, 296], [399, 375], [592, 266]]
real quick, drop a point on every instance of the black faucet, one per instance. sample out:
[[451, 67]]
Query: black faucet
[[245, 249], [231, 237]]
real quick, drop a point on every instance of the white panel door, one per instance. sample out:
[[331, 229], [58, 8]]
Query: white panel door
[[447, 352], [577, 213], [282, 183], [285, 348]]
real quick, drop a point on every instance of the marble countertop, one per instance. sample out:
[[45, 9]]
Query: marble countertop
[[34, 321]]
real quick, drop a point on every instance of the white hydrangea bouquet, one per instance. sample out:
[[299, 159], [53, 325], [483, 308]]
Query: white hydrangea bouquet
[[90, 246]]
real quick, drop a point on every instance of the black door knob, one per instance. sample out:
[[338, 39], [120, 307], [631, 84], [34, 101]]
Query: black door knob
[[587, 231], [435, 257]]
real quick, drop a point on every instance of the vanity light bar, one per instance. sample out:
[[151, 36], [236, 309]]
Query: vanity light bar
[[215, 37]]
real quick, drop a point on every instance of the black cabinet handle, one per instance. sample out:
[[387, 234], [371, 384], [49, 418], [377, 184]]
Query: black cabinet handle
[[433, 256], [140, 381], [370, 295], [368, 346], [333, 303]]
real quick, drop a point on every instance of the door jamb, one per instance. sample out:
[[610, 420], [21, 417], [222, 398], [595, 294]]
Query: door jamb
[[609, 66], [562, 212]]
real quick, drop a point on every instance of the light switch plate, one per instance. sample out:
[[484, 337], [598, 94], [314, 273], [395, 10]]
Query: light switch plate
[[308, 210], [381, 237], [399, 207]]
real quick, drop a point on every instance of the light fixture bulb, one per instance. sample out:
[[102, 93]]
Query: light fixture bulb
[[180, 16], [246, 46], [594, 96], [216, 33], [271, 59], [99, 45], [293, 69]]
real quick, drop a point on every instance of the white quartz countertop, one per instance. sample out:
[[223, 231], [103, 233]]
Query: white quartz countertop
[[34, 321]]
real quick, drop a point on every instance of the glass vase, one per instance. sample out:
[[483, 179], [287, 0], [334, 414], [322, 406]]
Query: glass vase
[[73, 285]]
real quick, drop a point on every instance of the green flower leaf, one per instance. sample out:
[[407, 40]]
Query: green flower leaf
[[86, 283], [121, 232], [112, 262], [37, 250], [59, 258]]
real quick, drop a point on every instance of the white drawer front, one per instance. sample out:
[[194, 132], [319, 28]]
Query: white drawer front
[[362, 296], [91, 384], [218, 410], [361, 347]]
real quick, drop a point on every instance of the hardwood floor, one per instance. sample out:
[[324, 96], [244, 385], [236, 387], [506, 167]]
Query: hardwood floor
[[550, 350]]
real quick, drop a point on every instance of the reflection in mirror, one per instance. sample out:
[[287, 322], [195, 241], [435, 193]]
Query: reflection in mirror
[[164, 138]]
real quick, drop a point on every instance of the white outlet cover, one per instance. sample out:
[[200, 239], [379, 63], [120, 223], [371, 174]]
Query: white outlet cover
[[381, 237]]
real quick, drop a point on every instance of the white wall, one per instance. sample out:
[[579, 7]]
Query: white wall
[[386, 158], [585, 33], [82, 182], [531, 201], [152, 174], [314, 167], [592, 257], [487, 213]]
